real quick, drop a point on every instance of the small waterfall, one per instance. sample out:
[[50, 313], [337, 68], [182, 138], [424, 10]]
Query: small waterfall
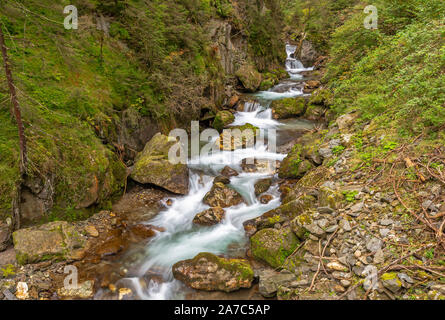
[[294, 66]]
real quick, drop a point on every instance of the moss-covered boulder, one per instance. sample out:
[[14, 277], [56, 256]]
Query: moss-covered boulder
[[209, 272], [52, 241], [222, 196], [330, 198], [152, 166], [273, 246], [223, 119], [249, 77], [294, 166], [209, 217], [262, 186], [288, 107], [314, 112]]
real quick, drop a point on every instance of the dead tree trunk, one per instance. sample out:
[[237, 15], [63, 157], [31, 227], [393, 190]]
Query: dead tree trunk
[[15, 104]]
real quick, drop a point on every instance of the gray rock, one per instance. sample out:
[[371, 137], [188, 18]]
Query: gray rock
[[374, 244], [325, 210], [270, 281], [386, 222], [344, 224], [407, 281], [384, 232], [325, 152]]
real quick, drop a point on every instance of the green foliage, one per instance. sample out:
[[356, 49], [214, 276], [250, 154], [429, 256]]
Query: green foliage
[[7, 270]]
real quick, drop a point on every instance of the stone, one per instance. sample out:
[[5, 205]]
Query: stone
[[273, 246], [262, 186], [337, 266], [249, 77], [228, 172], [407, 281], [5, 235], [55, 240], [293, 165], [391, 282], [265, 198], [305, 223], [125, 293], [374, 244], [345, 283], [209, 217], [345, 225], [384, 232], [222, 196], [209, 272], [84, 290], [152, 166], [345, 121], [270, 281], [386, 222], [325, 210], [223, 119], [92, 231], [22, 291], [288, 108]]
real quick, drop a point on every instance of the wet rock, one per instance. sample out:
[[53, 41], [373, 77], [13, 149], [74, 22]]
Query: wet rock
[[265, 198], [249, 77], [222, 196], [237, 137], [228, 172], [288, 108], [209, 217], [273, 246], [223, 119], [262, 186], [55, 240], [143, 231], [153, 167], [84, 290], [294, 166], [209, 272], [259, 165], [233, 101], [222, 179]]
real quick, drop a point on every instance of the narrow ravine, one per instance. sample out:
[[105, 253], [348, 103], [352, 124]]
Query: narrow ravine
[[182, 239]]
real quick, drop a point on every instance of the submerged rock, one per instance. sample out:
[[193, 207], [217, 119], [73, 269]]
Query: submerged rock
[[222, 196], [209, 217], [273, 246], [209, 272], [152, 166]]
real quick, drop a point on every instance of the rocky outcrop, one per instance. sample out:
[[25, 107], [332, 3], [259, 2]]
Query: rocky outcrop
[[287, 108], [153, 167], [209, 272], [209, 217], [308, 54], [273, 246], [222, 196]]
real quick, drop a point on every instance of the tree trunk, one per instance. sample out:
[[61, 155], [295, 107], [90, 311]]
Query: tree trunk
[[15, 103]]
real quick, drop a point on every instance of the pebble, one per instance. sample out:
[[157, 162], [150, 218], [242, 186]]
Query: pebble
[[386, 222], [384, 232], [357, 253], [344, 224], [345, 283], [92, 231], [325, 210], [337, 266]]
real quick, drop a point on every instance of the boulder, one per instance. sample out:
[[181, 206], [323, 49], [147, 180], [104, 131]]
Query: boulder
[[52, 241], [222, 196], [249, 77], [237, 137], [262, 186], [273, 246], [222, 179], [345, 121], [209, 272], [288, 108], [305, 223], [270, 281], [152, 166], [308, 54], [209, 217], [223, 119]]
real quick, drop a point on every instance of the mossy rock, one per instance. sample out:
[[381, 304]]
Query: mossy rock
[[209, 272], [152, 166], [222, 196], [288, 108], [314, 112], [273, 246], [250, 78], [330, 198], [223, 119], [321, 97], [314, 178], [294, 166], [238, 137]]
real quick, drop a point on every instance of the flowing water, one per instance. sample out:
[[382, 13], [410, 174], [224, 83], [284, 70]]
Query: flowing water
[[182, 239]]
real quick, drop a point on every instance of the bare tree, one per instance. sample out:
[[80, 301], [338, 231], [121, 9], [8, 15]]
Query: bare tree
[[15, 104]]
